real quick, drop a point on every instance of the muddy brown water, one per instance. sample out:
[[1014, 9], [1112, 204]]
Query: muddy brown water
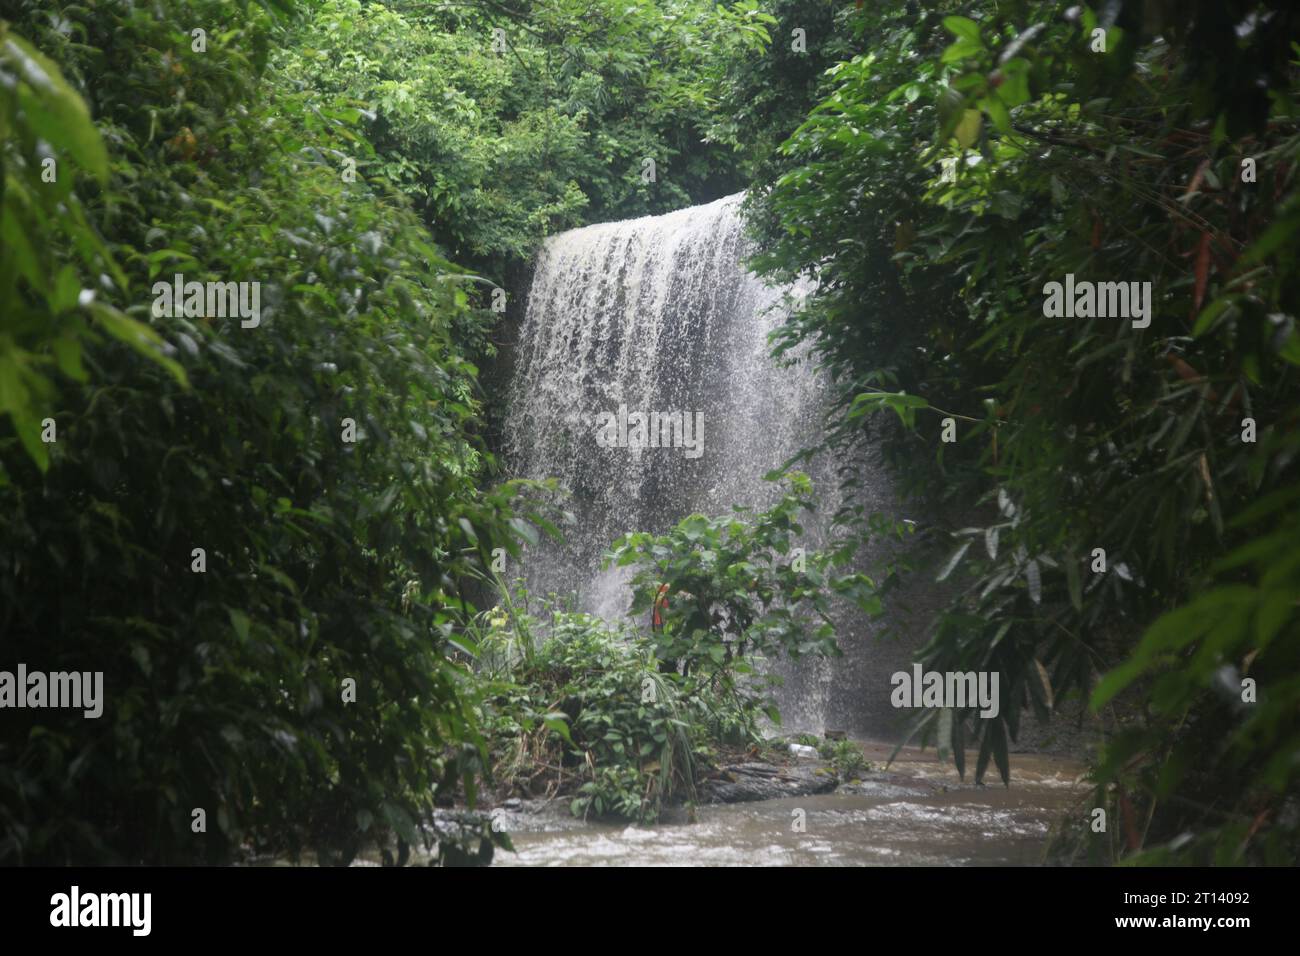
[[918, 813]]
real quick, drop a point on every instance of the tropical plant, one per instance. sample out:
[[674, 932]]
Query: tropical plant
[[508, 121], [973, 154], [732, 588], [271, 604], [587, 713]]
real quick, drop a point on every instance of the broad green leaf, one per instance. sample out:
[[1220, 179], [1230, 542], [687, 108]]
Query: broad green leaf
[[967, 130], [56, 112], [963, 27]]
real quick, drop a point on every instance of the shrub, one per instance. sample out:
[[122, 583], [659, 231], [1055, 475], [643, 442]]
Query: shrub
[[1108, 473], [586, 712], [322, 560], [737, 588]]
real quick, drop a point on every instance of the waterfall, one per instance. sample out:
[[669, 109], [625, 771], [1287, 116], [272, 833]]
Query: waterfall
[[657, 315]]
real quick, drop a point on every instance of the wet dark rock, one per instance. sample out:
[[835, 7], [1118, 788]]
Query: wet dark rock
[[889, 786], [533, 814], [464, 837], [742, 783]]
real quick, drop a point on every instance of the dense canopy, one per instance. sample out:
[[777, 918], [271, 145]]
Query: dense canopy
[[242, 517]]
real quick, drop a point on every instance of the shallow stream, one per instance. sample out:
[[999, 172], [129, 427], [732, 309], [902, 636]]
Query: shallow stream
[[917, 814]]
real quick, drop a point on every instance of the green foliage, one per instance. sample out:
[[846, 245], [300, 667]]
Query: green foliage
[[502, 146], [975, 153], [50, 306], [960, 157], [760, 100], [1224, 667], [325, 560], [587, 712], [736, 587], [847, 758]]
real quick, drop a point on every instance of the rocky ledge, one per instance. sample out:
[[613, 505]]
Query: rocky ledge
[[745, 782]]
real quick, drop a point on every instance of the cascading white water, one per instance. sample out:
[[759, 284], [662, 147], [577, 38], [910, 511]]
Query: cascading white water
[[658, 315]]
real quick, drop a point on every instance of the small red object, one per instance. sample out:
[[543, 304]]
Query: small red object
[[661, 601]]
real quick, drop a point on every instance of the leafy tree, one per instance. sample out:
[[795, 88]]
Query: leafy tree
[[585, 713], [504, 137], [218, 549], [968, 156], [738, 586], [49, 301]]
